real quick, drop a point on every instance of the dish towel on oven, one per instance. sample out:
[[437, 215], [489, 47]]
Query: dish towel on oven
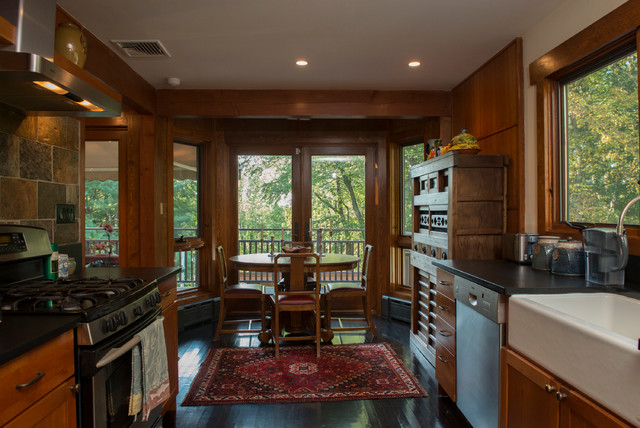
[[149, 371]]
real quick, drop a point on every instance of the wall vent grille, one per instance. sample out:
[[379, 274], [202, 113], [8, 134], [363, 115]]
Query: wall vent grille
[[141, 48]]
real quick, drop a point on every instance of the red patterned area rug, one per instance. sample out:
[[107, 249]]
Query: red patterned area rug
[[343, 372]]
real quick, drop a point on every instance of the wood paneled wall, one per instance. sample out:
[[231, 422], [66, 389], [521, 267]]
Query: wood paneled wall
[[489, 104]]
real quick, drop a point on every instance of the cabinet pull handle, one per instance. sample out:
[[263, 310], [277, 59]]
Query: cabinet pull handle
[[549, 388], [167, 294], [444, 308], [441, 358], [444, 333], [560, 396], [75, 388], [39, 376], [445, 283]]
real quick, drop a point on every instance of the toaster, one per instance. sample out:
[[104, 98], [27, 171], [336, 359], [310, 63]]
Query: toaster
[[518, 247]]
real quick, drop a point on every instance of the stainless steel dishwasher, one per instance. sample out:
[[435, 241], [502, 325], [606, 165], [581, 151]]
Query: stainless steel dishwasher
[[480, 332]]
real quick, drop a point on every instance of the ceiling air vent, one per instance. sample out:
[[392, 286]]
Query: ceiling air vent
[[141, 48]]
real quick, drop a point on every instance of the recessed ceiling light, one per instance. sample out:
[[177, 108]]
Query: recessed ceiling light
[[414, 64], [302, 62]]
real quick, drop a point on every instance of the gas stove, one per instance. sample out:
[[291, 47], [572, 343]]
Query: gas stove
[[105, 305]]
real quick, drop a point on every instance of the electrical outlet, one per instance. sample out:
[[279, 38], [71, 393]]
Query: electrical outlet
[[65, 213]]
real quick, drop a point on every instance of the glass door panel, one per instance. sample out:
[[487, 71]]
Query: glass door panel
[[186, 208], [338, 207], [101, 203], [265, 206]]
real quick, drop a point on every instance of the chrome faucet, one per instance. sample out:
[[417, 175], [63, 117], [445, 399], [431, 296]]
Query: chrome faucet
[[622, 234]]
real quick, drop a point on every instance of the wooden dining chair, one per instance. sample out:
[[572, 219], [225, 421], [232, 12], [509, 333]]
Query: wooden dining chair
[[339, 290], [298, 244], [297, 297], [238, 292]]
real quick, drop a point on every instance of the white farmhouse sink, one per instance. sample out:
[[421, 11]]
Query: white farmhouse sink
[[588, 340]]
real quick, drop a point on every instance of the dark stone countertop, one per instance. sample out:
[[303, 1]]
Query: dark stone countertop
[[510, 278], [20, 333]]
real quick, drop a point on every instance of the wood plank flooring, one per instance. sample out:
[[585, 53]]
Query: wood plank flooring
[[433, 411]]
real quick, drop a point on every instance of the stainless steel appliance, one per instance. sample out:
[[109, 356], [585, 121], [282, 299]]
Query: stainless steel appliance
[[29, 80], [480, 333], [112, 311], [518, 247]]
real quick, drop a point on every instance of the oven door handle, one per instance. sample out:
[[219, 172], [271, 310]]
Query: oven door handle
[[116, 353]]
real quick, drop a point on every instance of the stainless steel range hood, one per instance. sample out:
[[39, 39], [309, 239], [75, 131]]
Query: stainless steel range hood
[[29, 80]]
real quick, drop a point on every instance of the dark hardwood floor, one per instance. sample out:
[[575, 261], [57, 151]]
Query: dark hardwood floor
[[432, 411]]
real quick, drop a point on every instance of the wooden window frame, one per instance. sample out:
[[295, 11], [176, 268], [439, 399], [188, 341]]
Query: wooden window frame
[[607, 35]]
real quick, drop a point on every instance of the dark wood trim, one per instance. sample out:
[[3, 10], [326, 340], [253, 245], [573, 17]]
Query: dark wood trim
[[106, 65], [7, 33], [302, 103], [610, 33], [617, 24]]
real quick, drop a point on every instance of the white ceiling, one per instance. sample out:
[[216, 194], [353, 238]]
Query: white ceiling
[[350, 44]]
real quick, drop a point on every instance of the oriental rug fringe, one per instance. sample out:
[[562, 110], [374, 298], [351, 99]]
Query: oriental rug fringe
[[343, 372]]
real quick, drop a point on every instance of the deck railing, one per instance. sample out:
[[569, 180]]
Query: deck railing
[[250, 242], [258, 240]]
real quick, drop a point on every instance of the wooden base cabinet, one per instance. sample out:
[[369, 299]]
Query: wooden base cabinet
[[459, 209], [168, 290], [38, 388], [531, 397]]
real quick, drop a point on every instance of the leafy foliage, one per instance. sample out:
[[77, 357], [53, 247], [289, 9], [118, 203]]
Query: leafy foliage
[[101, 206], [411, 155], [185, 208], [602, 143]]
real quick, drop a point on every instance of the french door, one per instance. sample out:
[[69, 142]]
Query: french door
[[317, 194]]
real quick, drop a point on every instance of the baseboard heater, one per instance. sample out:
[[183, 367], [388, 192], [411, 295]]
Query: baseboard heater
[[198, 313], [397, 309]]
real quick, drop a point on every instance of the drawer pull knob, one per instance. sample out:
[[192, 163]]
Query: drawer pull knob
[[167, 294], [549, 388], [441, 358], [444, 333], [443, 308], [39, 376], [560, 396], [75, 388], [445, 283]]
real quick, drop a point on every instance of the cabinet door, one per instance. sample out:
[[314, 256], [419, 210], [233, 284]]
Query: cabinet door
[[528, 394], [171, 338], [577, 411], [56, 409]]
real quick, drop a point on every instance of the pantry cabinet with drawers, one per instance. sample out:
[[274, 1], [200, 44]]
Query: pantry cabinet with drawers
[[459, 212]]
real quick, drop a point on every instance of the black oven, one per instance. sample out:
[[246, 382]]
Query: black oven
[[105, 380]]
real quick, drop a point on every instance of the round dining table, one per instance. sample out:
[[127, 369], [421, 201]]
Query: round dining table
[[263, 262]]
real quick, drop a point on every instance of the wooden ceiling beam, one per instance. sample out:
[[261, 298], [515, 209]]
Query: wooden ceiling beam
[[302, 103]]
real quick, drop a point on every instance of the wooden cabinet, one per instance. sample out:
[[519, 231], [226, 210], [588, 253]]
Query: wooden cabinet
[[531, 397], [459, 209], [445, 334], [38, 388], [168, 291]]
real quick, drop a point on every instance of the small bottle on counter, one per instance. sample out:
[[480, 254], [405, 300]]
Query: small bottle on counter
[[63, 265], [51, 268]]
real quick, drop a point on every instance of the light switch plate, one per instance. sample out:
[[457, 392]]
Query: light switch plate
[[65, 213]]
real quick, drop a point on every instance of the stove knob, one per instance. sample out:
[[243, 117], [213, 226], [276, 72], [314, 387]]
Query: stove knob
[[111, 324], [122, 318], [158, 297], [137, 311]]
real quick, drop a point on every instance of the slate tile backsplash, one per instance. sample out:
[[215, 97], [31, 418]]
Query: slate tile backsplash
[[39, 161]]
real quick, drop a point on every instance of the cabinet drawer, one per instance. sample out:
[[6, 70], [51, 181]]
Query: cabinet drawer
[[446, 309], [167, 290], [446, 370], [446, 334], [55, 359], [444, 283]]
